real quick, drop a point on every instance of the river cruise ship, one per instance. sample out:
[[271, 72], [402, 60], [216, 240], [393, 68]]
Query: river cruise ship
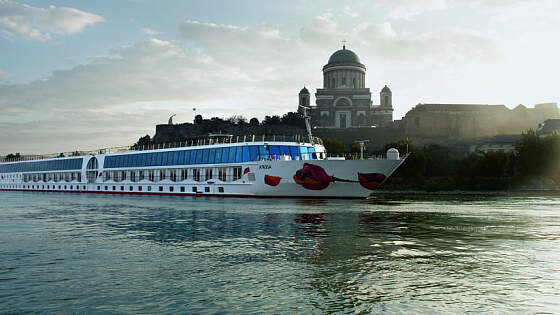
[[228, 166]]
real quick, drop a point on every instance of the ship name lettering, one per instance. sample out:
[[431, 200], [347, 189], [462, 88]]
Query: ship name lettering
[[265, 166]]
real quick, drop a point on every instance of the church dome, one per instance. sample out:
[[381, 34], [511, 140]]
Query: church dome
[[385, 90], [304, 91], [344, 56]]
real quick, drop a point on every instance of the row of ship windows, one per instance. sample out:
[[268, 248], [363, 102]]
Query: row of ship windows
[[225, 174], [55, 187], [56, 177], [235, 154], [194, 189]]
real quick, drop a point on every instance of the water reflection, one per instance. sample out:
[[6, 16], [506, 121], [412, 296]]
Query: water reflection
[[316, 255]]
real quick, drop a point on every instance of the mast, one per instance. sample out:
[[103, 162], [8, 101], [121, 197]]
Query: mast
[[307, 123]]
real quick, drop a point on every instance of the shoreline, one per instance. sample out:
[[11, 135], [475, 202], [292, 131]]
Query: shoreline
[[512, 193]]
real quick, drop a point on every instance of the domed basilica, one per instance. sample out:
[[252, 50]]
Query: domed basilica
[[344, 101]]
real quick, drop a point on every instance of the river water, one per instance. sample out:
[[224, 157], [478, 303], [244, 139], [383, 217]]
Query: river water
[[71, 253]]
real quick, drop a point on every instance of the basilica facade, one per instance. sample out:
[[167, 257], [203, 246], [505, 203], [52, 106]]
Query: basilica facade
[[344, 101]]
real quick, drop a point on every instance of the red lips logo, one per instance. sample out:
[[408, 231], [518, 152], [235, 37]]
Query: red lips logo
[[272, 180], [371, 181]]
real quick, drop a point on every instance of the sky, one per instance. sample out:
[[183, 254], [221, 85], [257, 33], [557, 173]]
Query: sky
[[81, 75]]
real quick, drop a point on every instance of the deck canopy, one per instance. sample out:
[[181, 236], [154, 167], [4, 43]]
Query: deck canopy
[[218, 155], [42, 166]]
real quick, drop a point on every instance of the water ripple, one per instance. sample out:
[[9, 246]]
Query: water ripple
[[134, 254]]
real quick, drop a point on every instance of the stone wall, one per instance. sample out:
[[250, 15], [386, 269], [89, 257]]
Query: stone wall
[[181, 132], [444, 123]]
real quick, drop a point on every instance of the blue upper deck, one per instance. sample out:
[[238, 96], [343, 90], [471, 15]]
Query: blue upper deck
[[43, 166], [211, 155]]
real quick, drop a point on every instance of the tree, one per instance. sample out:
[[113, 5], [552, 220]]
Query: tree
[[198, 119], [254, 121], [237, 120], [12, 156], [142, 141], [272, 120], [355, 147], [404, 146], [493, 164], [530, 160], [333, 146], [293, 119]]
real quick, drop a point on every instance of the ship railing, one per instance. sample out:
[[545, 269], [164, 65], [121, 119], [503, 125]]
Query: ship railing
[[225, 139], [357, 156], [230, 139]]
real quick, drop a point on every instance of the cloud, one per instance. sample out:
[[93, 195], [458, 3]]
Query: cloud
[[445, 46], [220, 69], [406, 9], [33, 23], [148, 31], [349, 11]]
